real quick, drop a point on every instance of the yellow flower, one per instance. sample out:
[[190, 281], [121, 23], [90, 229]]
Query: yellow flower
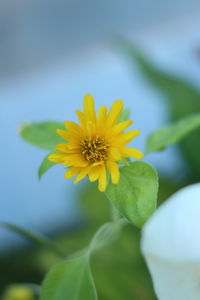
[[96, 145]]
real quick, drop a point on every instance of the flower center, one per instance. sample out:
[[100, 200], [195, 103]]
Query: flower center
[[94, 149]]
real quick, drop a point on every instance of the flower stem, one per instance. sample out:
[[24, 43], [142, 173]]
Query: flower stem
[[115, 214]]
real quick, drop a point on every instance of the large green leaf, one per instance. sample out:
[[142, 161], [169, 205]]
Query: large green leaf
[[72, 279], [136, 194], [69, 280], [42, 135], [171, 134], [183, 98]]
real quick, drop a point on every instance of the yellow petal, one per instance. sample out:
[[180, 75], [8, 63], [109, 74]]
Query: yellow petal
[[75, 160], [114, 154], [73, 146], [101, 116], [115, 112], [87, 126], [133, 152], [68, 136], [84, 172], [98, 163], [118, 128], [125, 138], [94, 173], [90, 128], [62, 133], [71, 172], [65, 148], [89, 108], [114, 171], [73, 128], [81, 118], [102, 179], [57, 157]]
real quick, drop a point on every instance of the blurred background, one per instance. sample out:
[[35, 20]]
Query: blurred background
[[53, 53]]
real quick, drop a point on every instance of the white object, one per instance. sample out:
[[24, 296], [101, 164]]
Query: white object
[[171, 246]]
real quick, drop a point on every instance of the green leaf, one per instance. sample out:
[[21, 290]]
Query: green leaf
[[70, 279], [183, 98], [125, 161], [34, 237], [171, 134], [42, 135], [45, 165], [136, 194]]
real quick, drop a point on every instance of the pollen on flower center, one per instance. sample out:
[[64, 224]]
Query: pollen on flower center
[[94, 149]]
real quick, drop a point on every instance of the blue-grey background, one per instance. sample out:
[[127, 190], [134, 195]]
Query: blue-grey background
[[51, 54]]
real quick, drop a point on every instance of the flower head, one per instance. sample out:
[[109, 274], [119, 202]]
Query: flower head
[[95, 146]]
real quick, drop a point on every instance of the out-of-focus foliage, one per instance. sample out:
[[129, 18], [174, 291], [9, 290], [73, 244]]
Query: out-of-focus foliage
[[172, 133], [182, 97], [42, 135], [45, 165], [119, 270], [34, 237], [135, 196]]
